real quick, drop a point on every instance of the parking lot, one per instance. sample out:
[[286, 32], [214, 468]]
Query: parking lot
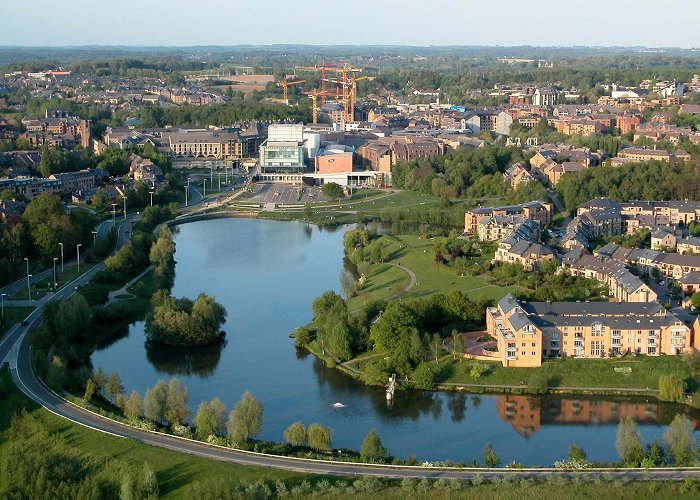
[[284, 194]]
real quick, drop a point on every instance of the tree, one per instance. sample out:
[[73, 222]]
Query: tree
[[89, 390], [372, 448], [576, 453], [490, 458], [457, 345], [436, 345], [177, 410], [210, 419], [671, 388], [113, 386], [72, 318], [680, 442], [332, 190], [319, 437], [628, 441], [695, 300], [245, 420], [154, 402], [133, 406], [295, 434]]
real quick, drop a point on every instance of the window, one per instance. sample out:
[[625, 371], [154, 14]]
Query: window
[[533, 344], [597, 329], [597, 348], [651, 350]]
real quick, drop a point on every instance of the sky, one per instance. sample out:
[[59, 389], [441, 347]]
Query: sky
[[668, 23]]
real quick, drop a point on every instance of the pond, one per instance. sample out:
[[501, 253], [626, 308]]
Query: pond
[[267, 274]]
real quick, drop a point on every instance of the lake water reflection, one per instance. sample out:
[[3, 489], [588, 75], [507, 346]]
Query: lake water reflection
[[267, 274]]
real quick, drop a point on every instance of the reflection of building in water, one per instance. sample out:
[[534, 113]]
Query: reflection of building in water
[[526, 413]]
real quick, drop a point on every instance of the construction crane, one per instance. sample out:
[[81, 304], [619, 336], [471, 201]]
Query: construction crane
[[314, 95], [284, 84], [344, 70], [353, 94]]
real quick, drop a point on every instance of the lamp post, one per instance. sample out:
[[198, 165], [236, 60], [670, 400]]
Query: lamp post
[[124, 207], [226, 172], [55, 283], [204, 183], [219, 174], [29, 290], [211, 175], [151, 193], [3, 304], [114, 213], [61, 245], [77, 247], [187, 191], [94, 238]]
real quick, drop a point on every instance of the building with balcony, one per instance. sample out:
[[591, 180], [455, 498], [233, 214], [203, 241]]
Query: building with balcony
[[530, 333]]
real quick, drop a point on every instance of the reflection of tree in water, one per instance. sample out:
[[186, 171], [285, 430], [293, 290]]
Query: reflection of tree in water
[[308, 230], [301, 353], [200, 361], [457, 404], [117, 334]]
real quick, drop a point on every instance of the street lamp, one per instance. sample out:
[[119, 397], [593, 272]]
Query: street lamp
[[219, 174], [114, 213], [204, 183], [211, 175], [124, 207], [3, 305], [29, 290], [78, 250], [55, 283], [61, 245], [151, 193], [94, 238], [187, 191]]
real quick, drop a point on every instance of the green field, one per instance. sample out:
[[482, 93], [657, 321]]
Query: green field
[[417, 254], [632, 372]]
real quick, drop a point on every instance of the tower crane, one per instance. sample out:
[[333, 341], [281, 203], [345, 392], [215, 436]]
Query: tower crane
[[284, 84]]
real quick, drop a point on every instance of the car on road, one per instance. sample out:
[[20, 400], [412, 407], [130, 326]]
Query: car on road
[[24, 323]]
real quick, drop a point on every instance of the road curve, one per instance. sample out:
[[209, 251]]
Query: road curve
[[19, 357]]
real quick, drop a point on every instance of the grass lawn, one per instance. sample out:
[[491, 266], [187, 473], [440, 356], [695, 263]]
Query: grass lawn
[[11, 316], [417, 254], [632, 372]]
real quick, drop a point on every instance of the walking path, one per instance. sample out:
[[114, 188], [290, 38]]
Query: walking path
[[411, 277], [112, 297]]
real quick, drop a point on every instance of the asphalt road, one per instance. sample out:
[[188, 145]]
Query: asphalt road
[[15, 348]]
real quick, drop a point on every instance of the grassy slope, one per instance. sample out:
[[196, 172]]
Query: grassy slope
[[578, 372], [417, 254]]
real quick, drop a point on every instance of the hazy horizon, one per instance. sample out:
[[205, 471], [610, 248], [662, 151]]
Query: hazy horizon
[[441, 23]]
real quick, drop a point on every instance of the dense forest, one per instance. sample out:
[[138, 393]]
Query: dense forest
[[654, 180]]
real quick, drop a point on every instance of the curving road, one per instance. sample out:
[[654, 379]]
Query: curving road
[[15, 348]]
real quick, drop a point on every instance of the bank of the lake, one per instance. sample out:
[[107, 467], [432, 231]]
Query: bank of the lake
[[267, 274]]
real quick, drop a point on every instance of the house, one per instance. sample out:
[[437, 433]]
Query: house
[[516, 175], [663, 238], [690, 283], [688, 245], [529, 255], [529, 333], [540, 212], [622, 284]]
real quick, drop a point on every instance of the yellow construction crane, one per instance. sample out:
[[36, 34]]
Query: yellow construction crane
[[284, 84], [313, 95], [353, 95]]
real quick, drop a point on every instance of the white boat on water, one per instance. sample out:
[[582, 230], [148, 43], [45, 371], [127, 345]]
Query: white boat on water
[[338, 405]]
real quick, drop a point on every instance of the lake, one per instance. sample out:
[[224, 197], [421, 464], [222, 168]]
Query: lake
[[267, 274]]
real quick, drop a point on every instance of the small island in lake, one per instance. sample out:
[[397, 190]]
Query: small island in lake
[[183, 322]]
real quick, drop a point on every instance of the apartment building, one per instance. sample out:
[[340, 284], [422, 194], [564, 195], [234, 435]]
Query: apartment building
[[76, 181], [622, 284], [538, 211], [529, 333], [688, 245], [498, 227], [517, 175]]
